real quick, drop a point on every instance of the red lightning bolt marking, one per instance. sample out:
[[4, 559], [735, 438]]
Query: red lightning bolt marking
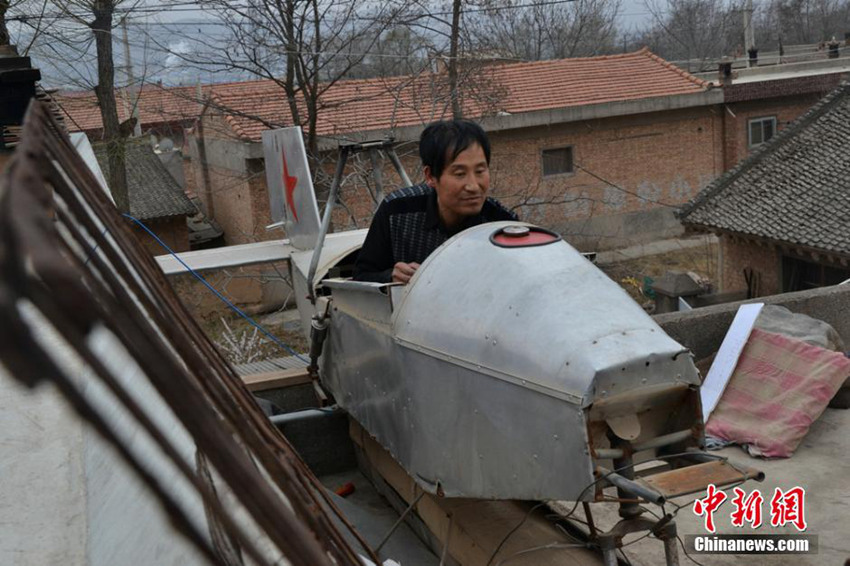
[[289, 183]]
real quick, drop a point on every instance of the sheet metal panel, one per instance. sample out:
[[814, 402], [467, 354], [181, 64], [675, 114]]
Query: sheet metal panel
[[291, 197], [543, 317], [477, 375]]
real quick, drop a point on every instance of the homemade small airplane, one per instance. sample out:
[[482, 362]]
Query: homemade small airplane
[[510, 367]]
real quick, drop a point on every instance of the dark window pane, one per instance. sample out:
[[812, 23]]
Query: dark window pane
[[755, 133], [768, 129], [557, 161]]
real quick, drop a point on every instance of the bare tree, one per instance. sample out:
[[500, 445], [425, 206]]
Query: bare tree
[[547, 30], [790, 22], [304, 46], [693, 32], [103, 12]]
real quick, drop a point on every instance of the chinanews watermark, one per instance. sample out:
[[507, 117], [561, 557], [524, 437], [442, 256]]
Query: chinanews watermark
[[785, 508]]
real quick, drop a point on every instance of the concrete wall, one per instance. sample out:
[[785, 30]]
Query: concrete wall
[[232, 189], [702, 330]]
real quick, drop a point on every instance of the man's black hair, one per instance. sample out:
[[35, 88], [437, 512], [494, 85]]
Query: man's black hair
[[441, 143]]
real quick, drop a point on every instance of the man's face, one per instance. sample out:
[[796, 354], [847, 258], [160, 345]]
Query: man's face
[[463, 185]]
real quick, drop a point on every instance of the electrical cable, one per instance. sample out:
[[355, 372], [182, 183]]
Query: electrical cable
[[221, 297], [513, 530]]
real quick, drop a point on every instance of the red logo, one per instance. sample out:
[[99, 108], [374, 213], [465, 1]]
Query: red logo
[[708, 505], [289, 182], [747, 509], [788, 507], [785, 507]]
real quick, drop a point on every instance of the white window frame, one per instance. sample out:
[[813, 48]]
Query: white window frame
[[760, 121]]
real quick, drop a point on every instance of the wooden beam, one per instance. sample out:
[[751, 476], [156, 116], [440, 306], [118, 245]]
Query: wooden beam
[[276, 379], [477, 526]]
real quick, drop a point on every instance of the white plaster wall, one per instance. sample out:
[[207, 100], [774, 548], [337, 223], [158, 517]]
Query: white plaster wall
[[66, 496], [42, 500]]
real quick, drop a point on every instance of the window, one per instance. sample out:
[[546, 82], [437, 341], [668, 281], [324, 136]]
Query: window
[[557, 161], [761, 130]]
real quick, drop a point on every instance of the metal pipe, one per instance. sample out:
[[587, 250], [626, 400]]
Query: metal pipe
[[399, 167], [305, 415], [663, 440], [377, 176], [657, 442], [326, 222], [398, 522], [630, 486]]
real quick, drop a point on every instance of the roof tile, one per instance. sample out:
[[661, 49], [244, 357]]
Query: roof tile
[[794, 189], [385, 103], [153, 191]]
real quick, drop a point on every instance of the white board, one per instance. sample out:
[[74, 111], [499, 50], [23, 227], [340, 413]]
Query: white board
[[727, 357]]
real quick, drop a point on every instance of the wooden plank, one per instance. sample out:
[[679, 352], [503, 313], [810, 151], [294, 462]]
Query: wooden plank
[[477, 526], [276, 379]]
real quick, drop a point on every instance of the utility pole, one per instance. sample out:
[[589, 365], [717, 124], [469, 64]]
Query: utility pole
[[749, 33]]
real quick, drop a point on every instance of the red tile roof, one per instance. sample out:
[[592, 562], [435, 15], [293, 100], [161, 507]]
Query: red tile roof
[[157, 105], [375, 104]]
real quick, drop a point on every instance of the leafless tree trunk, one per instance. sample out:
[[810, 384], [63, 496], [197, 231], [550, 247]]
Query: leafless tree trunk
[[101, 26], [457, 111], [4, 31]]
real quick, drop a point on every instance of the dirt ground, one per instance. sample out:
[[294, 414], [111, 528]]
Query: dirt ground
[[637, 275]]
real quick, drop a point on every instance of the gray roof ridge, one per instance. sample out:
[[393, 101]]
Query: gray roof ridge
[[782, 137]]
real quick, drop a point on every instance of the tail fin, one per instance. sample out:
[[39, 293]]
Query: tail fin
[[291, 195]]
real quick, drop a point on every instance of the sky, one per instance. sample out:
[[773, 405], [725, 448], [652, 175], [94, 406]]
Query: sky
[[159, 29]]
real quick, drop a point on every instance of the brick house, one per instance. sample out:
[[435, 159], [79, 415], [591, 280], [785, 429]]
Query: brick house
[[163, 112], [783, 214], [601, 149], [760, 101], [155, 197]]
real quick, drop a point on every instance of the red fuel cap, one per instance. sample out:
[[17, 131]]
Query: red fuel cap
[[523, 236]]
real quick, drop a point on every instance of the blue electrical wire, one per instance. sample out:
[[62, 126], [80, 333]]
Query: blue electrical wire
[[236, 309]]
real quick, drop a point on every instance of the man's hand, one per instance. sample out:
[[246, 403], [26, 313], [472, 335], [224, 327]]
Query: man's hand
[[402, 272]]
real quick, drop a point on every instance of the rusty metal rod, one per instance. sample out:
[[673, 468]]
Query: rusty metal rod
[[630, 486]]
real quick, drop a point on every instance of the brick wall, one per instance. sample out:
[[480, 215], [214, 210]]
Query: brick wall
[[631, 172], [737, 116], [655, 160], [173, 231], [626, 168], [818, 85], [735, 255]]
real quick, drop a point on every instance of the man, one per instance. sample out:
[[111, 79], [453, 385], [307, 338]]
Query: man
[[413, 222]]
